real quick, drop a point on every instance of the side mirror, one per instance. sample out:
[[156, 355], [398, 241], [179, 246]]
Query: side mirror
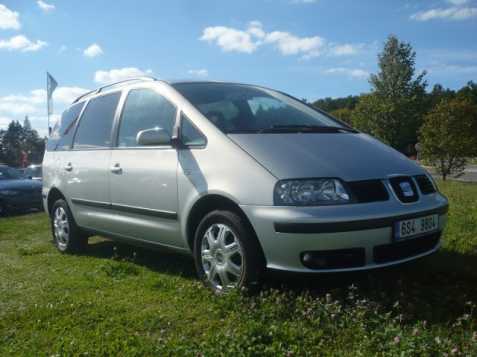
[[152, 137]]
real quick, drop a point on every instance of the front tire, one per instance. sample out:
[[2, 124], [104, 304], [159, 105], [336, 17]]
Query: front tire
[[226, 252], [67, 236]]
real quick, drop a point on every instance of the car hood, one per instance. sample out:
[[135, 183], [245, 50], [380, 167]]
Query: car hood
[[348, 156], [20, 185]]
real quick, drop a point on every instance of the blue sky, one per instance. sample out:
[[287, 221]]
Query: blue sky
[[309, 48]]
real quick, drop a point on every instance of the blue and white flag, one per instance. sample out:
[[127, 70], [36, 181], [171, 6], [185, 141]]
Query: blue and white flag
[[51, 85]]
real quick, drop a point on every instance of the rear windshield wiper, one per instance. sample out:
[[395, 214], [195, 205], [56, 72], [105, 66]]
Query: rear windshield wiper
[[306, 129]]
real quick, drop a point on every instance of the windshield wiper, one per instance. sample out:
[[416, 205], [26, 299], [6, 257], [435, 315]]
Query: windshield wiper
[[306, 129]]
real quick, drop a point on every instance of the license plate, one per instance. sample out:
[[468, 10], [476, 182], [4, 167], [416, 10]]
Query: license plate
[[410, 228]]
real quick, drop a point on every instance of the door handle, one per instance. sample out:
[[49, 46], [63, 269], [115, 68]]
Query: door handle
[[68, 166], [116, 169]]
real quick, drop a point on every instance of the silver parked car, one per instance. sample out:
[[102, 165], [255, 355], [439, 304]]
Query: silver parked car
[[242, 177]]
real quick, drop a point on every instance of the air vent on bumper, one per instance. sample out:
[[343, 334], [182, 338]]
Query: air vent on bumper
[[425, 184], [368, 191]]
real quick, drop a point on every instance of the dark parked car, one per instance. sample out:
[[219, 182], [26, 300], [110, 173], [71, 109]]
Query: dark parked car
[[16, 192], [33, 172]]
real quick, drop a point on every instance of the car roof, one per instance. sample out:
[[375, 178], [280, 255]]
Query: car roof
[[132, 81]]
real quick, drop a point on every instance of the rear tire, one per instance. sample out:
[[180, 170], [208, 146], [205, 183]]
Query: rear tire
[[226, 252], [67, 236]]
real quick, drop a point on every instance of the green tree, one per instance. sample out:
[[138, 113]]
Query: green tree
[[437, 94], [394, 110], [343, 114], [27, 124], [12, 143], [331, 104], [449, 135], [469, 91], [17, 139], [397, 67]]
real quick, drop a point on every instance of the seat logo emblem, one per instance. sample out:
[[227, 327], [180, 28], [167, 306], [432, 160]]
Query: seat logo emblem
[[406, 189]]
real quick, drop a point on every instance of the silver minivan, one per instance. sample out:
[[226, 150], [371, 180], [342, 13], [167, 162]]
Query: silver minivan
[[244, 178]]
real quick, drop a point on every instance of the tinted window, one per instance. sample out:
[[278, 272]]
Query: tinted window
[[190, 135], [94, 130], [144, 109], [63, 132], [239, 108], [34, 171]]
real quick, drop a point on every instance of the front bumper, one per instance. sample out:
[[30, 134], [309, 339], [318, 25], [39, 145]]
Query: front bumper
[[352, 232]]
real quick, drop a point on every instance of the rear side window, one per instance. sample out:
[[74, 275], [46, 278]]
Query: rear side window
[[94, 130], [62, 136], [144, 109]]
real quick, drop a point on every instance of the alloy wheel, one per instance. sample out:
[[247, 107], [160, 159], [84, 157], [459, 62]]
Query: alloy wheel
[[222, 257], [61, 227]]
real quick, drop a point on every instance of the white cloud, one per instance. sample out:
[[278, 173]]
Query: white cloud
[[119, 74], [45, 7], [67, 95], [451, 13], [93, 51], [289, 44], [8, 18], [229, 39], [356, 73], [255, 28], [254, 36], [33, 104], [345, 49], [21, 43], [35, 101], [199, 72], [4, 121]]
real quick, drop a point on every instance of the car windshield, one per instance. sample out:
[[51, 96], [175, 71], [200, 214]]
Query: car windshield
[[236, 108], [9, 173]]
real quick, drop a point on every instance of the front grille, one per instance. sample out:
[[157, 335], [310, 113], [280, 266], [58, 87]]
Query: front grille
[[405, 196], [405, 249], [334, 259], [425, 185], [368, 191]]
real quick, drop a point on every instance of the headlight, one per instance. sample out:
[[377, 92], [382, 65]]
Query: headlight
[[313, 192], [8, 192]]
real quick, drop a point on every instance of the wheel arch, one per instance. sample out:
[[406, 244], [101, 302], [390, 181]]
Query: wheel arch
[[54, 194], [209, 203]]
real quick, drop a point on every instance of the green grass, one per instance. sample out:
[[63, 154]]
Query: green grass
[[118, 300]]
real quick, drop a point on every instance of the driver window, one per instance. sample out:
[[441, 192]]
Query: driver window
[[144, 109]]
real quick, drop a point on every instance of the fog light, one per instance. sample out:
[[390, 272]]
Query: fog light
[[307, 258], [334, 259]]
